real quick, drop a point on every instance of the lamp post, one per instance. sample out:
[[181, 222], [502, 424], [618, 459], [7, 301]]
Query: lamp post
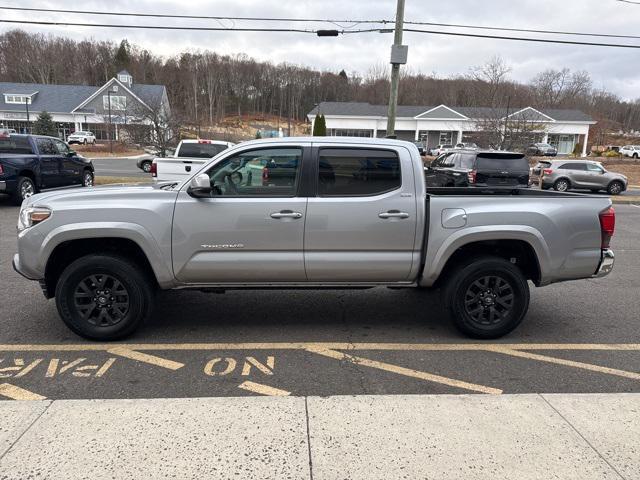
[[26, 104], [110, 139]]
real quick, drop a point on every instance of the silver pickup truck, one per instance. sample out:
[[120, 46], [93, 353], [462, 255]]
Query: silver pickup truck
[[308, 213]]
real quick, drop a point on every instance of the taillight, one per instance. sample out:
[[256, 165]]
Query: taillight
[[472, 176], [547, 171], [154, 169], [265, 176], [1, 170], [204, 141], [607, 226]]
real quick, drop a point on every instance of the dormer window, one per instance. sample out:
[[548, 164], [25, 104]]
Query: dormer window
[[19, 99]]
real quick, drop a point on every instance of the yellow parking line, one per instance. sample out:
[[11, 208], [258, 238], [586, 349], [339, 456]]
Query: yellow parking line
[[263, 389], [408, 372], [16, 393], [146, 358], [568, 363], [305, 345]]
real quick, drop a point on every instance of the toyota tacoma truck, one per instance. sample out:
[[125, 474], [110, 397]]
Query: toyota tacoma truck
[[308, 212]]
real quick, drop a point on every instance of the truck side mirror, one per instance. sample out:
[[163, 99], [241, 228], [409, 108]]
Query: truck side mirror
[[200, 186]]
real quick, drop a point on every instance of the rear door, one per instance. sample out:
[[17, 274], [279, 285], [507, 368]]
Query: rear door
[[503, 169], [361, 225], [50, 163]]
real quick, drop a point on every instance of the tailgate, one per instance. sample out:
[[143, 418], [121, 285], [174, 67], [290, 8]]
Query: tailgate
[[177, 169]]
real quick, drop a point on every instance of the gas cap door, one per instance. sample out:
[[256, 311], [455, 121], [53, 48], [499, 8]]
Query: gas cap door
[[454, 218]]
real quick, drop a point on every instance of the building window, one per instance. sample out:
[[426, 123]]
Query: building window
[[17, 99], [350, 132], [118, 102], [446, 138], [124, 78]]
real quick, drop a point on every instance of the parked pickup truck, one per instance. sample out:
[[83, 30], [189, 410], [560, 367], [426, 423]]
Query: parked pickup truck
[[31, 163], [188, 158], [339, 213]]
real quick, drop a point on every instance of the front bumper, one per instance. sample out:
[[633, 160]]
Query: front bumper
[[18, 268], [606, 263]]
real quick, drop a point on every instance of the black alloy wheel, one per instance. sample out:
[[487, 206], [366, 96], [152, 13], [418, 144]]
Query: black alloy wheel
[[101, 300]]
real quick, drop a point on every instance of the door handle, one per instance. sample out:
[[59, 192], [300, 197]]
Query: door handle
[[286, 214], [393, 214]]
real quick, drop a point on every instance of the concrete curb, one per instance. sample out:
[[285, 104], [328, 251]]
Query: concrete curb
[[569, 436], [625, 201]]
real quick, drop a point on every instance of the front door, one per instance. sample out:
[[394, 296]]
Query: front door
[[70, 169], [49, 163], [361, 225], [251, 228]]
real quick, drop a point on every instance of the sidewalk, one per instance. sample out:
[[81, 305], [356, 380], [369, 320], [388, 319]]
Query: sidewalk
[[562, 436]]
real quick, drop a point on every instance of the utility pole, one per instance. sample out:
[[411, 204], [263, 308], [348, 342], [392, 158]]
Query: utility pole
[[398, 57]]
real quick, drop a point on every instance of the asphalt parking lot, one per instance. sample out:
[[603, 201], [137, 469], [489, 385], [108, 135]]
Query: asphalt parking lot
[[578, 337]]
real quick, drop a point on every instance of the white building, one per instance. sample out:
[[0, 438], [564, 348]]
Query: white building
[[450, 125]]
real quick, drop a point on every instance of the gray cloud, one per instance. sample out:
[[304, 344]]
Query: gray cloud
[[613, 69]]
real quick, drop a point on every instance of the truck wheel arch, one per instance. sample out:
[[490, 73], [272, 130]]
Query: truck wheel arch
[[529, 251], [70, 250]]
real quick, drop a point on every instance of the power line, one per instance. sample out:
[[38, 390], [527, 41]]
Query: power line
[[524, 30], [337, 22], [161, 27], [522, 39], [317, 32]]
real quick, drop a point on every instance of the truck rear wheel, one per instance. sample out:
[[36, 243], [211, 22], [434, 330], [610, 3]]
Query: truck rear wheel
[[103, 297], [487, 298]]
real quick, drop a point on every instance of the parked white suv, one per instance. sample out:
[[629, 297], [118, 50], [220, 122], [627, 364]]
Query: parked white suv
[[632, 151], [81, 137]]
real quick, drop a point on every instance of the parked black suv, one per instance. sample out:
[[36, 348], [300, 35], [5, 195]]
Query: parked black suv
[[30, 163], [465, 168]]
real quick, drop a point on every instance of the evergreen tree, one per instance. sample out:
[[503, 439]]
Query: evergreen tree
[[123, 55], [320, 126], [44, 125]]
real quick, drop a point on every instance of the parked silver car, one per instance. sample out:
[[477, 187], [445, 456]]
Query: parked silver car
[[563, 175]]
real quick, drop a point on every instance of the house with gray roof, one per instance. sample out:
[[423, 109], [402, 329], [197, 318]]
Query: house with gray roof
[[99, 109], [443, 124]]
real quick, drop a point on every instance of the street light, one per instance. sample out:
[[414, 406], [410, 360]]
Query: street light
[[26, 104], [110, 139]]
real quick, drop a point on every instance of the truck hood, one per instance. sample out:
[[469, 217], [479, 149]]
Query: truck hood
[[103, 193]]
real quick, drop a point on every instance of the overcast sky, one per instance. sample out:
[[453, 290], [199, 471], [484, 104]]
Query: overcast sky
[[615, 69]]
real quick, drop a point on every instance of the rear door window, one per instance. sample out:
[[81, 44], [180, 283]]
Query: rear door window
[[465, 161], [573, 166], [15, 144], [357, 172]]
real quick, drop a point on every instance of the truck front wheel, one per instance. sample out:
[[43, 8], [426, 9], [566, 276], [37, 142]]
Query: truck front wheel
[[103, 297], [487, 298]]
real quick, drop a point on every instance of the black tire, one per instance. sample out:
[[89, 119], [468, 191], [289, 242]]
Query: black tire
[[487, 298], [635, 155], [109, 278], [25, 187], [562, 185], [615, 188], [146, 166], [85, 141], [87, 178]]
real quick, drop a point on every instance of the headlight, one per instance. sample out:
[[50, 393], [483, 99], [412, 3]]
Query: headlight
[[30, 216]]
